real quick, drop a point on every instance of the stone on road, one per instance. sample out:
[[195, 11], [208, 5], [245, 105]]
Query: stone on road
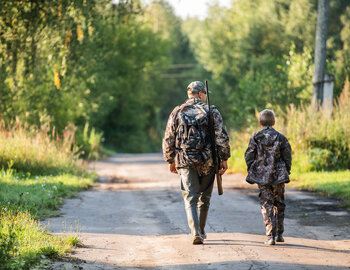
[[134, 218]]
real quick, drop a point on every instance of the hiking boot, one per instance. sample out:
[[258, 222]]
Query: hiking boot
[[279, 238], [270, 241], [197, 240]]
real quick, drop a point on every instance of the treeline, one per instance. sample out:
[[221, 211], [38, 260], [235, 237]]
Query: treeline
[[90, 63], [260, 53], [115, 69]]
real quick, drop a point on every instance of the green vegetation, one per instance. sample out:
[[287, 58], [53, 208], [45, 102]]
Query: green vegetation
[[321, 147], [76, 74], [260, 54], [39, 171], [24, 243], [335, 184]]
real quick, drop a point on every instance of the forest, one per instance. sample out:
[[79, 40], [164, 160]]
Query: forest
[[117, 69]]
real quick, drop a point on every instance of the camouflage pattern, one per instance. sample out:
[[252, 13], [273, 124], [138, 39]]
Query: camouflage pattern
[[173, 151], [269, 158], [195, 87], [272, 208]]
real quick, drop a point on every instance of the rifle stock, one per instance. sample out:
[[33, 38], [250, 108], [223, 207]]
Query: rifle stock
[[219, 183], [213, 145]]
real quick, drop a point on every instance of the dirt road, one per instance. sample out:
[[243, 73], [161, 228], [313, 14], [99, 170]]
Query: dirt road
[[134, 218]]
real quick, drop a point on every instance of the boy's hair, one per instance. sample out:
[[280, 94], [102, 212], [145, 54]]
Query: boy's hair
[[267, 118]]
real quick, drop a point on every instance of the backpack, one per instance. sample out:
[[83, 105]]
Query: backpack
[[192, 134]]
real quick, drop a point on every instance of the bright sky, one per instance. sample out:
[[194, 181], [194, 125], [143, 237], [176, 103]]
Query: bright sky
[[191, 8]]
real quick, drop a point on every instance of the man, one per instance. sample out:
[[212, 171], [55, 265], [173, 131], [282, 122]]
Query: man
[[187, 149]]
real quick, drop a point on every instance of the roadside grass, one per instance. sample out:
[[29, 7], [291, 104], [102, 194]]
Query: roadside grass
[[38, 169], [336, 184], [38, 151], [24, 241], [41, 195]]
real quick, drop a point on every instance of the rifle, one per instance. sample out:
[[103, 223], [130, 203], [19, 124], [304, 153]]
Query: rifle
[[216, 158]]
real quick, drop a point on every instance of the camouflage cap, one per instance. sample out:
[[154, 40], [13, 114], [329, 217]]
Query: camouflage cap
[[196, 87]]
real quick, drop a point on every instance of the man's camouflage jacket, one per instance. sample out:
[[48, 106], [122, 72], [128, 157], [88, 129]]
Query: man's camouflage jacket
[[171, 152]]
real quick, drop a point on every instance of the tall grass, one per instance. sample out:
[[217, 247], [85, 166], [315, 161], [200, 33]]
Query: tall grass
[[37, 151], [38, 169], [320, 140]]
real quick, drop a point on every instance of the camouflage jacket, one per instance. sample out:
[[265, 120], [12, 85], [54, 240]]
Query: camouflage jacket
[[268, 157], [172, 152]]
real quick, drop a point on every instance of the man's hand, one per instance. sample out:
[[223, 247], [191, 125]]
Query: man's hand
[[172, 168], [223, 167]]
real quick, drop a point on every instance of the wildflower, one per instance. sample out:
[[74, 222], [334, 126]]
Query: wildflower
[[37, 177], [45, 179], [5, 209], [43, 256], [43, 185], [54, 187]]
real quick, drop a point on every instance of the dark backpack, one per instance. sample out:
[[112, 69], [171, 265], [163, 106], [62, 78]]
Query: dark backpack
[[192, 134]]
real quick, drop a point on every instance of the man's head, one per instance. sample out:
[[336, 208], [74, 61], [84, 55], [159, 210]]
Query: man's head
[[267, 118], [196, 89]]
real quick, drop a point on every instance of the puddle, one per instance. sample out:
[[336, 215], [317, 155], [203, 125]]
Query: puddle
[[337, 213]]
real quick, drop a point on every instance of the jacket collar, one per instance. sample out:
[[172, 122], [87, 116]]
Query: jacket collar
[[266, 128], [193, 100]]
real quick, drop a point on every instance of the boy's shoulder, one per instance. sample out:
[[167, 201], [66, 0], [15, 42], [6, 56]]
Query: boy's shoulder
[[259, 135]]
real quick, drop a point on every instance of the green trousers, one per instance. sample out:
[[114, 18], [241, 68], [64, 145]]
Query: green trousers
[[196, 192]]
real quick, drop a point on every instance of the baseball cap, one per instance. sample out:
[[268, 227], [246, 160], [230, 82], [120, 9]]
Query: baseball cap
[[195, 87]]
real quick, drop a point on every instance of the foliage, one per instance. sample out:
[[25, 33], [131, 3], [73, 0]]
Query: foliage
[[79, 62], [320, 140], [260, 53], [32, 151], [42, 195], [89, 143], [24, 242]]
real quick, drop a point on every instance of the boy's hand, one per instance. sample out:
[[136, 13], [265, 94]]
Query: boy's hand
[[172, 168], [223, 167]]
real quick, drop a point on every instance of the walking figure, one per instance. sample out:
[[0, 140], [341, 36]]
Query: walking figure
[[269, 161], [187, 149]]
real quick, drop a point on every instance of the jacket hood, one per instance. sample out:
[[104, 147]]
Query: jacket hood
[[267, 136]]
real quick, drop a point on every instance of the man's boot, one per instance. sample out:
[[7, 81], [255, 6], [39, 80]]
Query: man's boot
[[203, 214], [193, 223]]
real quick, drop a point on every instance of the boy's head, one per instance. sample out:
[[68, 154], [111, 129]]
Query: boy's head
[[267, 118]]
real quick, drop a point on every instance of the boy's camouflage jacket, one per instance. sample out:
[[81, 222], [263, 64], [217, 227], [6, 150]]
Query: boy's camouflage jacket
[[171, 151], [269, 158]]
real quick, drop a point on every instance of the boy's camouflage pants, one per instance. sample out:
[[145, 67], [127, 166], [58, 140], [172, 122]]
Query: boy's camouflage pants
[[272, 208]]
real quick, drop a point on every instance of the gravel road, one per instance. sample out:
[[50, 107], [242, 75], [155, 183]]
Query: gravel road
[[134, 218]]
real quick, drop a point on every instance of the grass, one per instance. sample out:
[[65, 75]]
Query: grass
[[39, 169], [41, 195], [25, 242], [336, 184], [25, 199], [38, 151]]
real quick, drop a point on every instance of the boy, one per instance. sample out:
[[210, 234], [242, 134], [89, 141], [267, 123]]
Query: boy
[[269, 160]]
